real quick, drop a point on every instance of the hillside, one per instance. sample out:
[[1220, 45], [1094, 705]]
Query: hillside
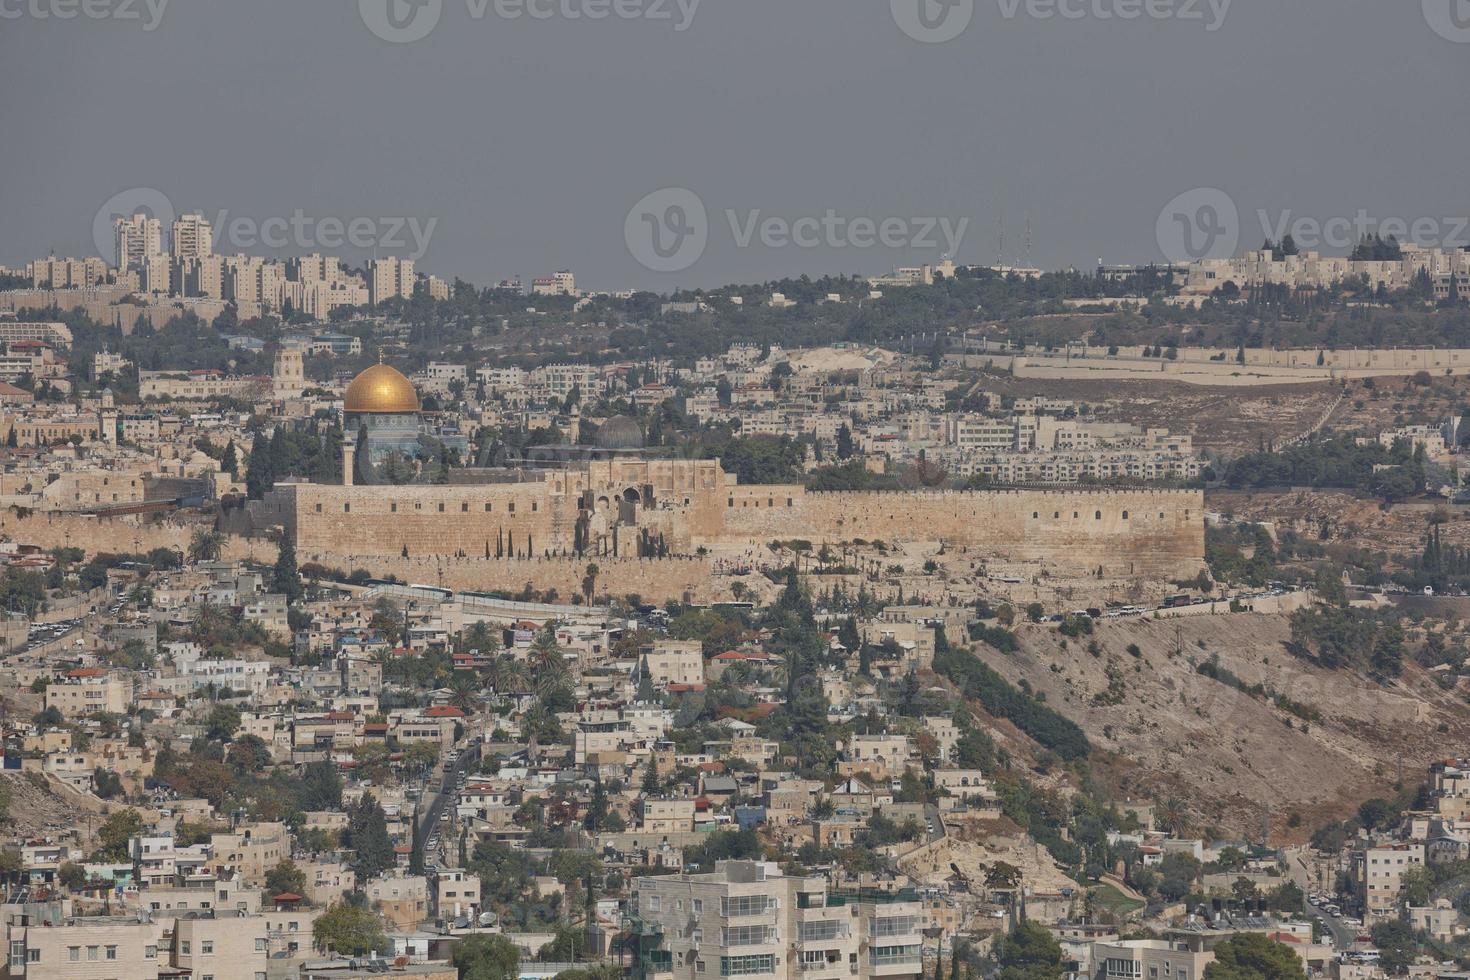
[[43, 806], [1161, 730]]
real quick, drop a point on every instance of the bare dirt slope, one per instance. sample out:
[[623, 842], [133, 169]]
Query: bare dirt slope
[[43, 806], [1239, 763]]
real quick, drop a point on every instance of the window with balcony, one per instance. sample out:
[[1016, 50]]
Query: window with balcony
[[747, 935], [895, 925], [823, 931], [894, 955], [1118, 967], [742, 905], [747, 966]]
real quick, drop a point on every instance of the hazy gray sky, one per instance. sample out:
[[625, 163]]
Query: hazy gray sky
[[526, 141]]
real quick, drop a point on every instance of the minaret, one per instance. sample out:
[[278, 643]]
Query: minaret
[[349, 456]]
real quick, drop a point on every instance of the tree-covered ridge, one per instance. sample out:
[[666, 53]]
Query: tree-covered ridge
[[1046, 726]]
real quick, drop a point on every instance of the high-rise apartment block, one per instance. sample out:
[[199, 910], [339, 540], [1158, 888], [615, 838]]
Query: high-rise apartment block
[[136, 238], [388, 278], [193, 237], [747, 919]]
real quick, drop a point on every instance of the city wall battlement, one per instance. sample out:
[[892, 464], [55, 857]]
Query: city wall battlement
[[1143, 532]]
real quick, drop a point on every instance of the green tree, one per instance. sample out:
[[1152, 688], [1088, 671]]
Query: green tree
[[1030, 953], [1251, 956], [367, 834], [221, 723], [1396, 945], [349, 930], [321, 787], [285, 878], [113, 839], [1415, 884], [285, 579], [486, 957]]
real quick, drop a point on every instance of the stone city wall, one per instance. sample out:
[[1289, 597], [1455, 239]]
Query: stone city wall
[[1156, 533], [654, 579], [1125, 532]]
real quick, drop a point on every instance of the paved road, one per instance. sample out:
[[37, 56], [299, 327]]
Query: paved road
[[931, 815], [1343, 935], [444, 780]]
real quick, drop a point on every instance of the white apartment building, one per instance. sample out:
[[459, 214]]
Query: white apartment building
[[1378, 870], [1150, 959], [558, 380], [135, 239], [193, 238], [389, 277], [54, 273], [747, 919], [562, 283]]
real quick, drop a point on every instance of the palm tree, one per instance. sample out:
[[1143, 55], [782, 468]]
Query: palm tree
[[549, 680], [1173, 815], [464, 692], [512, 675], [546, 653], [205, 545]]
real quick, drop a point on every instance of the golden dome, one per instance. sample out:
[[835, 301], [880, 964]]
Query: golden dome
[[380, 390]]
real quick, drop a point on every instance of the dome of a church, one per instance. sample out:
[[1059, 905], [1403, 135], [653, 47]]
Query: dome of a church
[[620, 432], [380, 390]]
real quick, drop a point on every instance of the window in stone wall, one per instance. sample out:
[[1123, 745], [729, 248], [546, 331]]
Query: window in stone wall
[[441, 507], [1097, 516], [487, 506], [393, 507], [464, 508], [346, 508], [511, 506], [730, 502], [1125, 515]]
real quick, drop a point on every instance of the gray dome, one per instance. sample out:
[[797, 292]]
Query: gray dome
[[620, 432]]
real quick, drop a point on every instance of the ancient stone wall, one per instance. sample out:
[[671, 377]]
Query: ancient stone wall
[[1156, 533], [124, 534], [1124, 532], [655, 580]]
